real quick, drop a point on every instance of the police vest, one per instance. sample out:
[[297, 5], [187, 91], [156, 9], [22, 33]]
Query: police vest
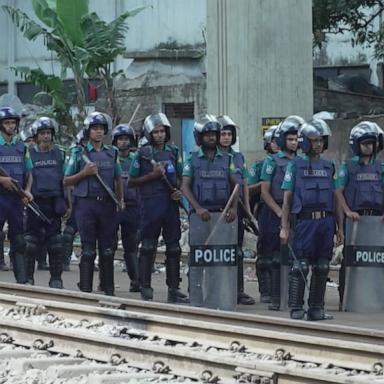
[[210, 184], [47, 172], [12, 161], [365, 186], [130, 194], [281, 166], [314, 185], [105, 161], [157, 187]]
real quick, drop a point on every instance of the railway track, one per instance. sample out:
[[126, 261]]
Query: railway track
[[196, 343]]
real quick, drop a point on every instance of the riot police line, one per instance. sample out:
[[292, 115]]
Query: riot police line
[[300, 203]]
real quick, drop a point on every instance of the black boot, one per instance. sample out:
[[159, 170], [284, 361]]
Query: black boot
[[55, 252], [297, 288], [106, 269], [32, 244], [131, 261], [263, 273], [19, 267], [68, 237], [87, 263], [242, 297], [275, 282], [172, 265], [146, 260]]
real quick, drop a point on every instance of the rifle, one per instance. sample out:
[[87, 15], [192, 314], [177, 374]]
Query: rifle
[[250, 222], [111, 194], [21, 193]]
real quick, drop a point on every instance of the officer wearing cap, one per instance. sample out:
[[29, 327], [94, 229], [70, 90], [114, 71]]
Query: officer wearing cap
[[124, 138], [228, 138], [360, 179], [16, 162], [96, 212], [159, 204], [263, 262], [309, 195], [47, 188], [272, 175]]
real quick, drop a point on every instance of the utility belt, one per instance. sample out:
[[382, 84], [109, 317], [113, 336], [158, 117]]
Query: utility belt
[[96, 198], [313, 215], [369, 212]]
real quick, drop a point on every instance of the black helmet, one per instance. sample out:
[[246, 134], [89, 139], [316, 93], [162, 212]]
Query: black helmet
[[153, 121], [365, 130], [208, 123], [121, 130], [228, 124]]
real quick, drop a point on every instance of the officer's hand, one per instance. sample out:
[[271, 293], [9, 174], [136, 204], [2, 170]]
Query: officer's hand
[[27, 197], [67, 214], [339, 237], [353, 215], [284, 235], [90, 169], [158, 171], [176, 195], [122, 206], [231, 215], [203, 214], [8, 183]]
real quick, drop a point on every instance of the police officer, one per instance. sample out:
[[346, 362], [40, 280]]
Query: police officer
[[159, 204], [263, 270], [228, 138], [272, 175], [47, 188], [95, 210], [360, 179], [309, 194], [16, 161], [124, 138]]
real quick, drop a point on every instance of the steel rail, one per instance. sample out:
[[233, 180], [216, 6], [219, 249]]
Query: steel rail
[[347, 347]]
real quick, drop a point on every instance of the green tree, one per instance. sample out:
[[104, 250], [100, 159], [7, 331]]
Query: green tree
[[82, 43], [359, 17]]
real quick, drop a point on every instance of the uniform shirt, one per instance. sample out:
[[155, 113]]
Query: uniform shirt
[[343, 177], [290, 174], [269, 167], [27, 158], [74, 163], [188, 170], [134, 170], [243, 171], [254, 172], [131, 156], [62, 151]]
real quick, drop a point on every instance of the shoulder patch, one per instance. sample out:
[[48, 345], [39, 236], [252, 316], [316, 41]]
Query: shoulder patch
[[269, 170]]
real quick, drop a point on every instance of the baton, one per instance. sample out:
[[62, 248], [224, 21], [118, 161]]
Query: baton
[[225, 210], [104, 185], [250, 220], [134, 113]]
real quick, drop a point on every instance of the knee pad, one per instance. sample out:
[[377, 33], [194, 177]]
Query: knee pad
[[19, 244], [173, 250], [263, 262], [107, 253], [300, 267], [149, 245], [68, 233], [88, 252], [321, 267], [55, 243], [31, 243]]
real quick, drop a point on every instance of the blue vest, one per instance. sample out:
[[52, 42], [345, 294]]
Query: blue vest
[[210, 184], [130, 194], [105, 161], [12, 161], [281, 166], [157, 187], [365, 187], [47, 172], [314, 189]]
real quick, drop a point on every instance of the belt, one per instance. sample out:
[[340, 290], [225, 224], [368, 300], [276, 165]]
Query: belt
[[314, 215], [369, 212], [99, 198]]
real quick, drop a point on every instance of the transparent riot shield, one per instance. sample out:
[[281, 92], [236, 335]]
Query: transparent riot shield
[[213, 262], [364, 260], [285, 268]]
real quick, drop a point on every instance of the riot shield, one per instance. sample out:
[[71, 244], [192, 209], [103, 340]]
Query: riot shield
[[213, 262], [364, 265], [285, 268]]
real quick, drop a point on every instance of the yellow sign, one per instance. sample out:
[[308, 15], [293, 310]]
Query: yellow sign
[[267, 122]]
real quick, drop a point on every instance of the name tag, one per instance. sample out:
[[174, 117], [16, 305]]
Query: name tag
[[367, 177], [315, 172]]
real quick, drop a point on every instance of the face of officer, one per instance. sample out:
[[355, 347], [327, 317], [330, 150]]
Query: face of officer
[[96, 133], [317, 145], [159, 135], [9, 126], [44, 136], [225, 138], [209, 140], [123, 143], [366, 148], [291, 142], [29, 141]]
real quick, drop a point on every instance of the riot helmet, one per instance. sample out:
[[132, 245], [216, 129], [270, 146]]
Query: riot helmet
[[268, 137], [97, 118], [8, 113], [312, 130], [291, 125], [207, 123], [121, 130], [153, 121], [228, 124], [44, 123], [79, 140], [26, 134], [365, 130]]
